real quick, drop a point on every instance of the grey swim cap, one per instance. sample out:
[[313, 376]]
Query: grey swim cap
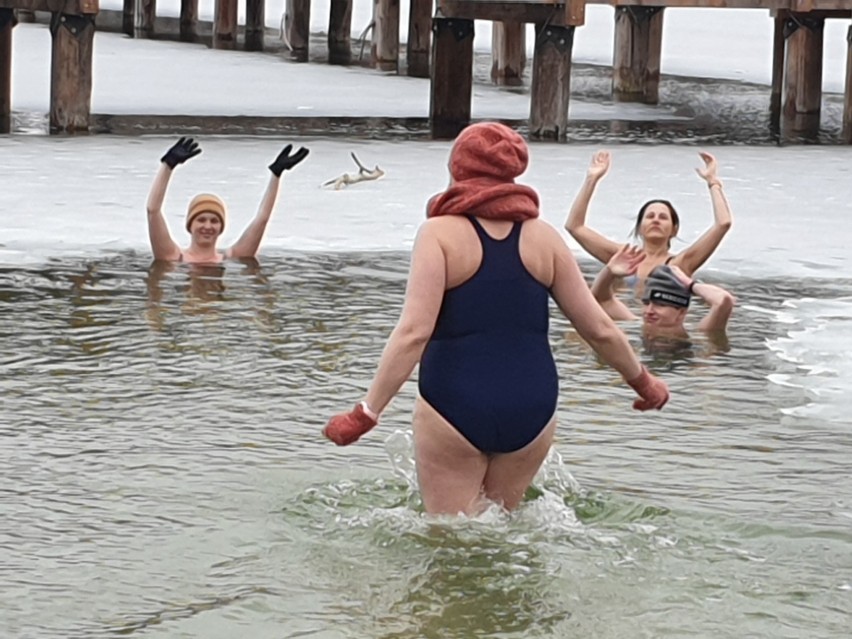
[[662, 286]]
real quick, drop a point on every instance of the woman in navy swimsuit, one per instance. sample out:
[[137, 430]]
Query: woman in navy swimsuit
[[656, 224], [206, 214], [476, 319]]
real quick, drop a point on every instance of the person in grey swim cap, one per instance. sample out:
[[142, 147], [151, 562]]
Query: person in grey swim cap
[[666, 296]]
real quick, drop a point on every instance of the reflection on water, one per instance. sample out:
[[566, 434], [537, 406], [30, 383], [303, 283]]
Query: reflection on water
[[201, 286], [163, 472]]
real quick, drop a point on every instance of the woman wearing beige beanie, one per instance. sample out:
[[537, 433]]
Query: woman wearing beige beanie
[[207, 214]]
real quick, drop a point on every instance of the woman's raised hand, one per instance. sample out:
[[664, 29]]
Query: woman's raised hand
[[708, 171], [287, 160], [680, 275], [625, 261], [184, 149], [599, 165]]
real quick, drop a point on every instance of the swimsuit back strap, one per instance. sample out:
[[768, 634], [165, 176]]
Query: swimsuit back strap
[[513, 236]]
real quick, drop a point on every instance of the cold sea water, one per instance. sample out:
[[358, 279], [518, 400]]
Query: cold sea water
[[162, 472]]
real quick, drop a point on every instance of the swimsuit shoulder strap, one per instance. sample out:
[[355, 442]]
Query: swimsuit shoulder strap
[[512, 237], [516, 231], [480, 230]]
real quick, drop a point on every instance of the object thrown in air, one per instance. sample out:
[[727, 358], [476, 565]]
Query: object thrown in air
[[363, 175]]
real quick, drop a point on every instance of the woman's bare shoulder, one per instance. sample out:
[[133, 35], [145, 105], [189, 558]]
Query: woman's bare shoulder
[[445, 227], [542, 231], [446, 221]]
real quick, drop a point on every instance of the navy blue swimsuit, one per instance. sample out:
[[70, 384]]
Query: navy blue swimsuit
[[488, 368]]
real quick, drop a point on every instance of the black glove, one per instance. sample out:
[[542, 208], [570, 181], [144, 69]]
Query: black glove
[[286, 161], [184, 149]]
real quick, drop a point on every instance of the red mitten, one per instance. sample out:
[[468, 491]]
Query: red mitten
[[346, 428], [653, 391]]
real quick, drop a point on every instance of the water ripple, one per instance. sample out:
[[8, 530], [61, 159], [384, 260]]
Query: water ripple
[[163, 471]]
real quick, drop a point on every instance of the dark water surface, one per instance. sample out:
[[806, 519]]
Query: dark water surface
[[163, 473]]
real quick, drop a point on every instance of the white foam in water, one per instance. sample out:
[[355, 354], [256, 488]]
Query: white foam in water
[[779, 316], [823, 366], [548, 514], [400, 448]]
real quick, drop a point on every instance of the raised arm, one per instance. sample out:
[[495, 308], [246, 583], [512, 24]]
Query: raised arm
[[576, 301], [162, 244], [249, 242], [592, 242], [720, 301], [424, 293], [721, 304], [691, 259], [625, 262]]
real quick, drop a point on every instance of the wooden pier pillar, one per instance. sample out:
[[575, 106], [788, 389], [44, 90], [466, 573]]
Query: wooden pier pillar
[[146, 13], [7, 23], [419, 38], [297, 26], [128, 17], [847, 97], [636, 54], [452, 76], [803, 82], [188, 20], [508, 52], [385, 49], [778, 49], [255, 24], [224, 24], [71, 72], [551, 82], [339, 32]]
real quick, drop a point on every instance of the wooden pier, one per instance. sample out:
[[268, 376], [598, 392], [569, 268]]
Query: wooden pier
[[72, 28], [440, 46], [797, 57]]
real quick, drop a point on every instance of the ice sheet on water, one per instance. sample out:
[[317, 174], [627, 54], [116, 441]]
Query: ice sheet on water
[[822, 362]]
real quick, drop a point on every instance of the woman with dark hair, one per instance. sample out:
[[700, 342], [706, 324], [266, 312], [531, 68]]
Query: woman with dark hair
[[475, 318], [656, 224]]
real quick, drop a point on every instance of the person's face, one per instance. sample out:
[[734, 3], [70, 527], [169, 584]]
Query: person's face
[[206, 227], [657, 222], [662, 317]]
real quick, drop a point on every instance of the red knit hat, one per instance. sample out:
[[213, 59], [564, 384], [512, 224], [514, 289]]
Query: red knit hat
[[484, 162]]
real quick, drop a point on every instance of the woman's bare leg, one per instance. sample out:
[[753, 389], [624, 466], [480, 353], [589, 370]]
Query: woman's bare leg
[[510, 474], [450, 470]]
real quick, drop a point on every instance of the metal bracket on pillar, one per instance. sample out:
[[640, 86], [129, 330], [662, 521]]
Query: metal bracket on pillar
[[461, 29], [639, 14], [794, 22], [7, 18], [560, 38], [74, 23]]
